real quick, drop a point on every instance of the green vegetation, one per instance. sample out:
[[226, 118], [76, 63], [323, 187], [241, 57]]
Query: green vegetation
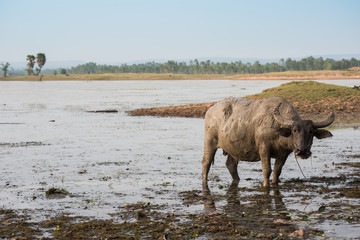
[[5, 68], [209, 67], [30, 65], [311, 97], [306, 90], [63, 71], [40, 60], [196, 67]]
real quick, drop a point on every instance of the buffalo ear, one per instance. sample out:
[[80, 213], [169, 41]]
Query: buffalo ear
[[322, 133], [285, 132]]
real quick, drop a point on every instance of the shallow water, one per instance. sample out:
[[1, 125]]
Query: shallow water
[[48, 139]]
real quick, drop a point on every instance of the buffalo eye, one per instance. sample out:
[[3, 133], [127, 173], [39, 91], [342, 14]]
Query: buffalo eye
[[285, 132]]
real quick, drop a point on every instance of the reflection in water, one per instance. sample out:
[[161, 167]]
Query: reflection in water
[[253, 211], [234, 201]]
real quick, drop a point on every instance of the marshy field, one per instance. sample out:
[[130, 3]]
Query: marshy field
[[76, 165]]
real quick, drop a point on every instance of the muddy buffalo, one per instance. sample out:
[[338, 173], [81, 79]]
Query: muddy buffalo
[[249, 130]]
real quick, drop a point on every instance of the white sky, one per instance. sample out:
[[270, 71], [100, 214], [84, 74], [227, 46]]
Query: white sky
[[106, 31]]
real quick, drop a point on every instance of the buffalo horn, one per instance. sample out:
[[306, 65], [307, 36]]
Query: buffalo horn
[[325, 122], [280, 119]]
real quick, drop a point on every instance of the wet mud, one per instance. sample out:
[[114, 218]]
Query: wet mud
[[20, 144], [286, 211], [246, 213], [70, 174]]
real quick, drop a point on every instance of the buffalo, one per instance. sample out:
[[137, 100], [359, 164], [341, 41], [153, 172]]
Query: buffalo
[[251, 131]]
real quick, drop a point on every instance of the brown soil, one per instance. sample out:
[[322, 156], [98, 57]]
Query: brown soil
[[190, 111], [250, 213], [349, 114]]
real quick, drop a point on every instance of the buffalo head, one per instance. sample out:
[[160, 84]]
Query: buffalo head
[[302, 132]]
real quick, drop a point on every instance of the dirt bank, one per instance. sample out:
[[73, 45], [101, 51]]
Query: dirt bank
[[311, 99], [190, 111], [199, 110]]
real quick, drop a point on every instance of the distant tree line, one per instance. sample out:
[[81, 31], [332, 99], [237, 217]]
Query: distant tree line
[[209, 67]]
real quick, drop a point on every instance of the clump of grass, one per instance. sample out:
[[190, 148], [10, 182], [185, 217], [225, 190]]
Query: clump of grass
[[307, 90], [56, 191]]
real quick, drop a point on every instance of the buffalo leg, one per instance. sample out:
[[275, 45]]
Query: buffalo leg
[[208, 158], [265, 164], [231, 165], [279, 163]]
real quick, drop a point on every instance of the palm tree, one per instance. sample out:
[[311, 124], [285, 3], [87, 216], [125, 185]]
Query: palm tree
[[40, 60], [31, 63]]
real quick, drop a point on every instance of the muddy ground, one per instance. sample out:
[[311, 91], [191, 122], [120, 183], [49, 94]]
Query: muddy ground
[[318, 207], [249, 213], [71, 173], [324, 206]]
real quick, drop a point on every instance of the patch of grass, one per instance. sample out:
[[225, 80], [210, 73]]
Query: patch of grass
[[308, 90], [311, 97]]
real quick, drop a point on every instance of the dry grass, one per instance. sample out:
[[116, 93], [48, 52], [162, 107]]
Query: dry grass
[[289, 75], [117, 76], [313, 98], [302, 75]]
